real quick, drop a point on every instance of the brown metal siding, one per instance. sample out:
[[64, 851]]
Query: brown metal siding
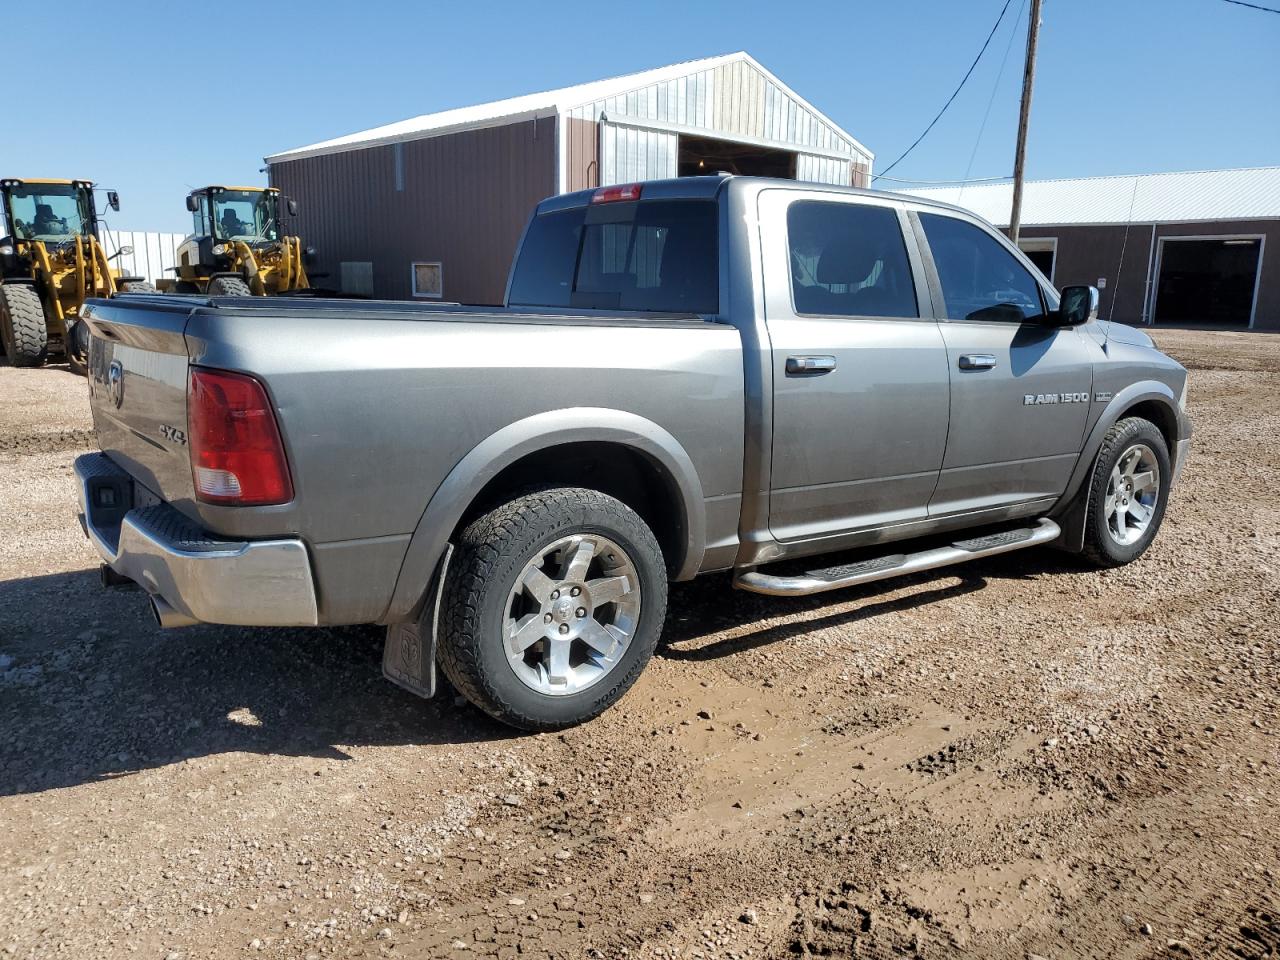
[[583, 147], [1086, 253], [465, 200]]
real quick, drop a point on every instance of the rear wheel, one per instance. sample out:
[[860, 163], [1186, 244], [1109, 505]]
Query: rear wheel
[[23, 331], [1127, 493], [552, 606], [228, 287]]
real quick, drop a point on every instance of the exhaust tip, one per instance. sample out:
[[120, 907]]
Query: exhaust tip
[[167, 617]]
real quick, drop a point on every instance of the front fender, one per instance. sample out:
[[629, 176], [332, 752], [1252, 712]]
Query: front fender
[[500, 450], [1076, 493]]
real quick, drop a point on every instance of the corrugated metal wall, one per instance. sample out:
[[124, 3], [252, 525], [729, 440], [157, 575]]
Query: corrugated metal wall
[[460, 199], [630, 153], [818, 169], [153, 253], [729, 101]]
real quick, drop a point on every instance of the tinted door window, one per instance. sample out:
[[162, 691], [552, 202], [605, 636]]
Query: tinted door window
[[656, 256], [849, 260], [981, 280]]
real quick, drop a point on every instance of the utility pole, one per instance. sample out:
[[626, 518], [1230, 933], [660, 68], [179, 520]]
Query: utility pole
[[1024, 119]]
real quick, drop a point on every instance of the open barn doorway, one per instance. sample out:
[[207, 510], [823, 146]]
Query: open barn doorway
[[1207, 280], [706, 155]]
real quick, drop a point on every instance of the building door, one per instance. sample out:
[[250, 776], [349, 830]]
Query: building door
[[701, 156], [1207, 280], [1042, 251], [1019, 389]]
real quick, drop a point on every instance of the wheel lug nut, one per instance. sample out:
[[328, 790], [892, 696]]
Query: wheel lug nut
[[582, 612], [575, 591], [555, 594], [564, 628], [546, 618]]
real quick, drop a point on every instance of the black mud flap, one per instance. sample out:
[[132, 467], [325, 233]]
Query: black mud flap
[[409, 654]]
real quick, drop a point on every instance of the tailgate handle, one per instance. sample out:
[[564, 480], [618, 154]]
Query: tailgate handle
[[977, 361], [810, 366]]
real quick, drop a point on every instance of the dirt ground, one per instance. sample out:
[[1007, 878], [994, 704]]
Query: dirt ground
[[1019, 758]]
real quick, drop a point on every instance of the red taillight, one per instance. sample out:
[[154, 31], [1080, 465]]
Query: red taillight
[[626, 191], [236, 453]]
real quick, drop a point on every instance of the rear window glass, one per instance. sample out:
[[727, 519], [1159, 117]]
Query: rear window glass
[[849, 260], [656, 256]]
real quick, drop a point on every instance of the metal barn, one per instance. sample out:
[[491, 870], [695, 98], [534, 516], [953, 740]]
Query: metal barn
[[433, 207], [1186, 248]]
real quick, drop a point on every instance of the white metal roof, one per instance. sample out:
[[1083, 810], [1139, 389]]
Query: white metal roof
[[1251, 193], [543, 104]]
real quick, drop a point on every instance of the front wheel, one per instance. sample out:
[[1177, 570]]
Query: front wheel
[[23, 329], [137, 286], [1127, 494], [552, 607], [228, 287]]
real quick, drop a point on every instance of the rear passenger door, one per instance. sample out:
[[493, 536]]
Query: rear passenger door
[[859, 368], [1020, 390]]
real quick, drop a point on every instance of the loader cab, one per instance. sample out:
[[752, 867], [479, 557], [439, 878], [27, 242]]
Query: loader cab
[[236, 214], [50, 211]]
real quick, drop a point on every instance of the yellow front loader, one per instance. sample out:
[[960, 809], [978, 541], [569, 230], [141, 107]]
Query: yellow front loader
[[51, 261], [237, 247]]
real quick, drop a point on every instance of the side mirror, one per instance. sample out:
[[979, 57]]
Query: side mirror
[[1077, 305], [193, 205], [292, 206], [113, 200]]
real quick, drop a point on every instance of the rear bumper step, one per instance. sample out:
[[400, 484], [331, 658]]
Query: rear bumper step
[[190, 575], [896, 565]]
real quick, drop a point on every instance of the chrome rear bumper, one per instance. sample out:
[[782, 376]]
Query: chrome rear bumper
[[247, 583]]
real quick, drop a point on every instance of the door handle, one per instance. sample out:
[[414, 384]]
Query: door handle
[[810, 366], [977, 361]]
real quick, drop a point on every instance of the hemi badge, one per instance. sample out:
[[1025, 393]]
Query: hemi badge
[[1103, 396]]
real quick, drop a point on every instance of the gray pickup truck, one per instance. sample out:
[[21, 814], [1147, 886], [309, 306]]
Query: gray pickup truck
[[694, 375]]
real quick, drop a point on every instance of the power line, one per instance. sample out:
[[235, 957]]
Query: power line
[[968, 73], [995, 87], [1251, 6], [948, 183]]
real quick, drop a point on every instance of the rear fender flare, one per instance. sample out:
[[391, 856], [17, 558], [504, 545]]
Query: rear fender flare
[[530, 435], [1077, 492]]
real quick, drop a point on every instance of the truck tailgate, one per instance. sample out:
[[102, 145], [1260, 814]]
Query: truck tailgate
[[138, 389]]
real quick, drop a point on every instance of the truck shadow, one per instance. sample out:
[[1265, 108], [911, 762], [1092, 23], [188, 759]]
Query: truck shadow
[[91, 689], [701, 610]]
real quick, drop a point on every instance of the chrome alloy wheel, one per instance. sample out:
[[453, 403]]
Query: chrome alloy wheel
[[572, 614], [1133, 490]]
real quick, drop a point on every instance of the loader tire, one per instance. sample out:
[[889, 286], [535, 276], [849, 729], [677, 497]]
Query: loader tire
[[228, 287], [138, 286], [23, 331]]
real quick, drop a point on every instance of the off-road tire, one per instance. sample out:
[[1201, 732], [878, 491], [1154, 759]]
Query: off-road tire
[[228, 287], [1100, 548], [490, 555], [23, 331], [138, 286]]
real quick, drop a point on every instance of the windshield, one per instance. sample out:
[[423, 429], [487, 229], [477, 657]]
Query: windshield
[[49, 212], [652, 255], [248, 215]]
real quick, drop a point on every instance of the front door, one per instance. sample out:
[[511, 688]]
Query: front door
[[1020, 390], [859, 376]]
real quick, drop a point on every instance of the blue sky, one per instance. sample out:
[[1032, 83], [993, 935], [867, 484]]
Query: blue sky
[[153, 102]]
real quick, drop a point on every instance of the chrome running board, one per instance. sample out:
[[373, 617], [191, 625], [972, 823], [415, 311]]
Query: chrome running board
[[895, 565]]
